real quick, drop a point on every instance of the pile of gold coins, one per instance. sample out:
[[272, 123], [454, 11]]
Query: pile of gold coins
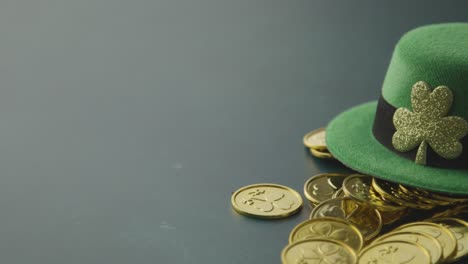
[[360, 219], [377, 222]]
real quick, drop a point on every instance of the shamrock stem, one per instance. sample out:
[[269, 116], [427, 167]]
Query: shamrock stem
[[422, 153]]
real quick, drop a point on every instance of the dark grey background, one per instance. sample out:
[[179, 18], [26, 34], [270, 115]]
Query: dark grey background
[[126, 125]]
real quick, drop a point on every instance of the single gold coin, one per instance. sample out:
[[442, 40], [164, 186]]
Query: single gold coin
[[394, 252], [318, 251], [459, 229], [367, 219], [359, 187], [329, 228], [392, 192], [339, 193], [428, 242], [321, 154], [445, 237], [266, 200], [321, 187], [315, 139]]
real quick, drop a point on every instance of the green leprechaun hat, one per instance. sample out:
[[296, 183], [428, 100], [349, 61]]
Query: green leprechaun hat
[[416, 133]]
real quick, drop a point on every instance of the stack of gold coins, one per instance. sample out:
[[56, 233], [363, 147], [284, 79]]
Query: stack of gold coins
[[322, 242], [315, 141], [457, 210], [435, 240]]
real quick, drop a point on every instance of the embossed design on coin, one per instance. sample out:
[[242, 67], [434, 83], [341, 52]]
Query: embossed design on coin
[[360, 188], [266, 201], [322, 251], [394, 252], [330, 228]]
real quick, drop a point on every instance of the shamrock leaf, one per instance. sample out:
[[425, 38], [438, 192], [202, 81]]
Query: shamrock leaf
[[267, 202], [428, 124], [327, 230], [322, 229], [280, 201], [324, 254]]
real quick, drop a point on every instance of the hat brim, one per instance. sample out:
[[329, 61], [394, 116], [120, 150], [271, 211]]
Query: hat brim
[[349, 138]]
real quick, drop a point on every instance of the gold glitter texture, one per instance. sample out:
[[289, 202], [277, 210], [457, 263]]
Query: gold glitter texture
[[428, 125]]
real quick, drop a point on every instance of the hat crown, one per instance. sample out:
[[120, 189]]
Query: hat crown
[[435, 54]]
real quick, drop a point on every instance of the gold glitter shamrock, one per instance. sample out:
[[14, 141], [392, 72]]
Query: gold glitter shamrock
[[427, 124]]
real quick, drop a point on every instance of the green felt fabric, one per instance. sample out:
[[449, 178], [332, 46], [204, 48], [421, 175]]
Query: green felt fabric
[[436, 54], [349, 138]]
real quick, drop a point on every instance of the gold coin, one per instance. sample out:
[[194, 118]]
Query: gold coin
[[443, 199], [459, 229], [312, 205], [445, 237], [318, 251], [266, 200], [450, 198], [321, 154], [359, 187], [394, 252], [427, 196], [321, 187], [389, 217], [315, 139], [367, 219], [454, 211], [339, 193], [391, 192], [329, 228], [431, 244], [337, 182]]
